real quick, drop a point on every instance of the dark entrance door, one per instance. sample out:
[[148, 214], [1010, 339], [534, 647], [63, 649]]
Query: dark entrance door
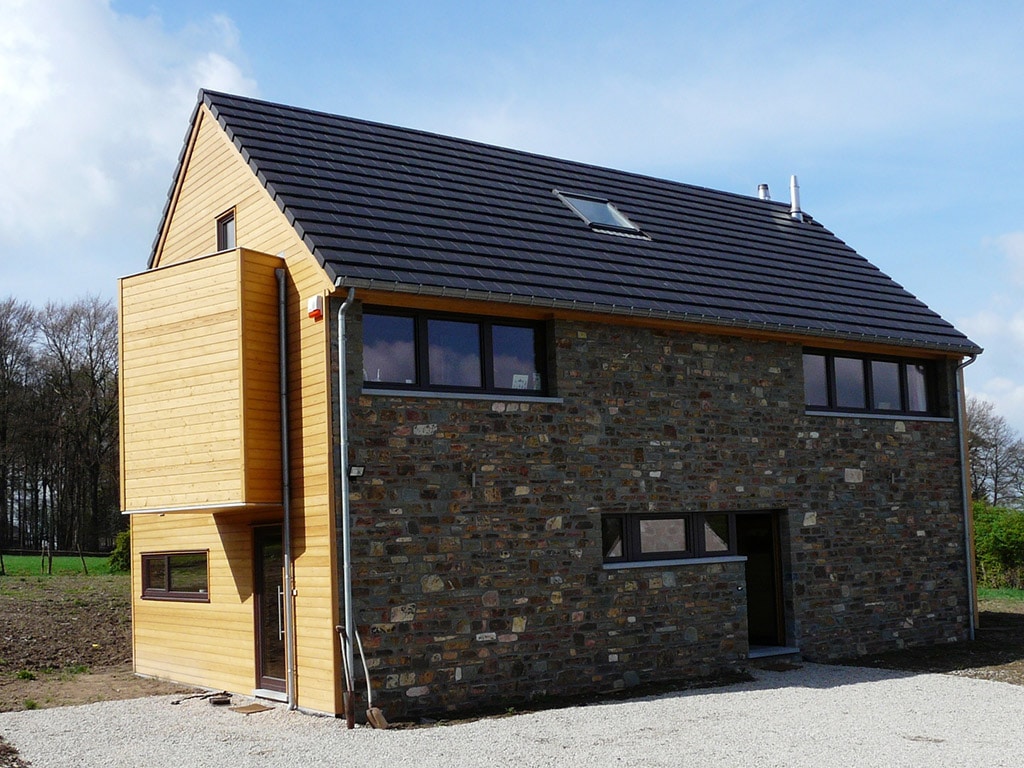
[[757, 538], [269, 594]]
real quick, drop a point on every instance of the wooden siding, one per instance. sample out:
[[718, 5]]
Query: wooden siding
[[187, 642], [213, 179], [199, 396]]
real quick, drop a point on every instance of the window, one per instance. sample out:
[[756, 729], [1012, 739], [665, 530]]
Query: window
[[844, 382], [458, 353], [630, 538], [226, 231], [599, 213], [176, 576]]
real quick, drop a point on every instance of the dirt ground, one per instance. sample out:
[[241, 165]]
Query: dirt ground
[[66, 640]]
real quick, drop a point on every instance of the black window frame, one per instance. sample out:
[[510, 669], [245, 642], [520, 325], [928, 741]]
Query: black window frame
[[485, 328], [866, 361], [165, 590], [630, 523], [616, 223]]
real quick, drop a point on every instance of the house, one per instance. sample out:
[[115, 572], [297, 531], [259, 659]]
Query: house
[[595, 428]]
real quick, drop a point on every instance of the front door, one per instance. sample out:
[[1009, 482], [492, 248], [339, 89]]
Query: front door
[[270, 597], [757, 538]]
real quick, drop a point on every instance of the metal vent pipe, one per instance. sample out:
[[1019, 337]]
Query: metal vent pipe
[[794, 200], [763, 193]]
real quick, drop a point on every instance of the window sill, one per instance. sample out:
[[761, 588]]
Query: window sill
[[678, 561], [881, 416], [426, 393]]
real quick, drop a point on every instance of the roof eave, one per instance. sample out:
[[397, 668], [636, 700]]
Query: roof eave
[[469, 294]]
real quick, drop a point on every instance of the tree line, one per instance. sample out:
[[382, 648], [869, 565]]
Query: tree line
[[58, 426]]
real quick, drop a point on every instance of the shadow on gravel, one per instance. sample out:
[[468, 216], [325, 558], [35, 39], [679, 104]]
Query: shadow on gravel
[[997, 653]]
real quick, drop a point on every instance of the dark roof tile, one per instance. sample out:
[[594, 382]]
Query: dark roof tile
[[416, 211]]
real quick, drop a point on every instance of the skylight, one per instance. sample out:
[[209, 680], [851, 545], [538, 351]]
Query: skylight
[[598, 213]]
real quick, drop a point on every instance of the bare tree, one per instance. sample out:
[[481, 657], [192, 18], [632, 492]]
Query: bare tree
[[80, 356], [17, 338], [996, 454]]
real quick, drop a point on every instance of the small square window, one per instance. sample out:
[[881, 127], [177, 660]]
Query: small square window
[[226, 232]]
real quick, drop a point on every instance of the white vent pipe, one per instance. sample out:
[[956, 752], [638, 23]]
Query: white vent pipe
[[763, 193]]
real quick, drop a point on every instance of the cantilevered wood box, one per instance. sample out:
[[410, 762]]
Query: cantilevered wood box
[[200, 412]]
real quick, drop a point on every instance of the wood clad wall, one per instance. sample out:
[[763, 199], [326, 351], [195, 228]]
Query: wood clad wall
[[199, 405], [207, 644], [215, 179]]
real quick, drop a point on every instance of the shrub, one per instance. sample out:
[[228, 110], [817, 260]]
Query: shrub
[[999, 546], [120, 559]]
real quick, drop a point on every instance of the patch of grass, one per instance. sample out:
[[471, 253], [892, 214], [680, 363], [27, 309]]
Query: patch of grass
[[31, 704], [984, 593], [24, 674], [28, 565], [68, 673]]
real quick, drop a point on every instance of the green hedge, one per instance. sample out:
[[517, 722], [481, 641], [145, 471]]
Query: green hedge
[[999, 546]]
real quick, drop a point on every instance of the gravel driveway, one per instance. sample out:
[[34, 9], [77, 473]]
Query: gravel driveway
[[815, 716]]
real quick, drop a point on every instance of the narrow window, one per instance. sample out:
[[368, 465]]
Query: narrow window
[[226, 232], [514, 353], [850, 392], [389, 349], [815, 380], [917, 388], [176, 576], [454, 353], [885, 386], [612, 533]]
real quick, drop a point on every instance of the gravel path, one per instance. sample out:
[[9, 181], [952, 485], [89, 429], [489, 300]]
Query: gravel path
[[816, 716]]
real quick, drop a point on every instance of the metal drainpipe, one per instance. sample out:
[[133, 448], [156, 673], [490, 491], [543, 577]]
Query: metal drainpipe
[[346, 523], [965, 483], [286, 497]]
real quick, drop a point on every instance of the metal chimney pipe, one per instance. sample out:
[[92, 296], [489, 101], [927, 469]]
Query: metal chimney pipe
[[794, 200], [763, 193]]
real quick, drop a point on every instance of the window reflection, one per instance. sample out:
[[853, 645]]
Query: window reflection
[[389, 349], [850, 391], [454, 353], [515, 357]]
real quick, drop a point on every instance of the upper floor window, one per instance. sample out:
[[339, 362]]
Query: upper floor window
[[847, 382], [421, 350], [226, 231]]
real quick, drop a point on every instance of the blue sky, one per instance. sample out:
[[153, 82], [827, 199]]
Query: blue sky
[[903, 120]]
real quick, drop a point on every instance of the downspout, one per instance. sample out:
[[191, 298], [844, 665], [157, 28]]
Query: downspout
[[291, 674], [965, 483], [346, 523]]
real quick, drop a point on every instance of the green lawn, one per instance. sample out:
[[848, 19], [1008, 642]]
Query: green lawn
[[28, 565], [1000, 594]]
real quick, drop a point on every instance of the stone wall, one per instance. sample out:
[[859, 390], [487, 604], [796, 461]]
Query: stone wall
[[478, 573]]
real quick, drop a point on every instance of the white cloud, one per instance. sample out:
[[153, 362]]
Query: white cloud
[[96, 105]]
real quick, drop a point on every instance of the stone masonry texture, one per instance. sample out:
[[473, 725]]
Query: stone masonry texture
[[478, 578]]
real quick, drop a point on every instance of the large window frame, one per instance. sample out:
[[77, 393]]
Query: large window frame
[[172, 576], [625, 537], [486, 329], [848, 382]]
